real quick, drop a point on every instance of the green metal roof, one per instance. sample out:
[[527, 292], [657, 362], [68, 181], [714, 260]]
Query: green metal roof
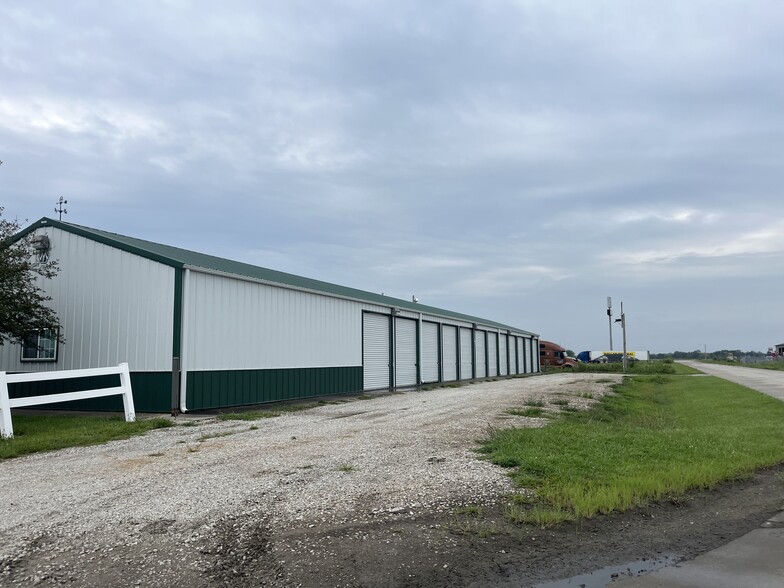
[[176, 257]]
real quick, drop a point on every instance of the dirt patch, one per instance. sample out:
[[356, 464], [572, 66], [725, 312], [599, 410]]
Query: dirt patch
[[480, 549]]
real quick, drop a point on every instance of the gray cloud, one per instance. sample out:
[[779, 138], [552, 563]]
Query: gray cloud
[[516, 159]]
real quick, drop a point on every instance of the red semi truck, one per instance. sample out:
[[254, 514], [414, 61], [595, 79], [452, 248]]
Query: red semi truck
[[552, 355]]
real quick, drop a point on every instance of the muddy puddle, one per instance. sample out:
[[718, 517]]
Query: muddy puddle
[[606, 576]]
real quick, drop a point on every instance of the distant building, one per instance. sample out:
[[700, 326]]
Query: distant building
[[780, 349]]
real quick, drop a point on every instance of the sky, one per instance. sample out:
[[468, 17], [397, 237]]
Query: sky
[[515, 160]]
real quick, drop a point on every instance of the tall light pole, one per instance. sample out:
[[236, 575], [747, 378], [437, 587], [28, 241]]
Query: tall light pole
[[609, 318]]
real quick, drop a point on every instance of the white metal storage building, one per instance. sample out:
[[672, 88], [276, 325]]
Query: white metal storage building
[[201, 332]]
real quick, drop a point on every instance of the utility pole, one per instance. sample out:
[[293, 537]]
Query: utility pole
[[609, 318], [622, 320]]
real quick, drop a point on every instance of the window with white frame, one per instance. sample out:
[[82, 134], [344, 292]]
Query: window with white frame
[[40, 345]]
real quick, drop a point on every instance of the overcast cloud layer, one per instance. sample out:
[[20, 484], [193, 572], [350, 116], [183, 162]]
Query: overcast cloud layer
[[519, 160]]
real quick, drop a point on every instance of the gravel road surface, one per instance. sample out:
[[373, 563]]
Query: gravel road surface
[[252, 503], [380, 492]]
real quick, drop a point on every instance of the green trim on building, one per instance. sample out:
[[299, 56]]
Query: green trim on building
[[151, 392], [177, 313], [127, 244], [178, 258], [224, 388]]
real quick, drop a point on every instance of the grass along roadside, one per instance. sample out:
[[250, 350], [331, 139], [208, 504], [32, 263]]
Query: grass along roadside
[[658, 366], [657, 437], [34, 433]]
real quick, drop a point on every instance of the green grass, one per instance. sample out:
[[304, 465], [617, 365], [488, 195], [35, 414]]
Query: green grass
[[347, 468], [471, 510], [639, 367], [34, 433], [537, 516], [657, 438], [471, 520], [533, 412]]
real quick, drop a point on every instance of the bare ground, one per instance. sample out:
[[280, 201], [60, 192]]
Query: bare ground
[[386, 492]]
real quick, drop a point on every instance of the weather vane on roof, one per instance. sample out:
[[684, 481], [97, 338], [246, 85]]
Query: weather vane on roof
[[60, 208]]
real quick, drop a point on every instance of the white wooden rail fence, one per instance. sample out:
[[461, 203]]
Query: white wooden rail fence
[[6, 403]]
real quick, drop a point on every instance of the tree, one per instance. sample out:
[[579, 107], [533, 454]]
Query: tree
[[23, 304]]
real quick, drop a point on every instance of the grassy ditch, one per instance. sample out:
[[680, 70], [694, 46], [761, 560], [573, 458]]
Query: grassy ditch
[[663, 366], [656, 438], [34, 433]]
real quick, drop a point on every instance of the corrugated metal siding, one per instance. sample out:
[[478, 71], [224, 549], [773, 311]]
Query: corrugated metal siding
[[481, 354], [405, 352], [430, 352], [492, 354], [466, 347], [151, 392], [177, 257], [214, 389], [503, 356], [114, 307], [449, 354], [236, 324], [512, 354], [375, 351]]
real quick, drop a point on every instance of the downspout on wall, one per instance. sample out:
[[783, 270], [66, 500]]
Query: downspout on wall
[[419, 349]]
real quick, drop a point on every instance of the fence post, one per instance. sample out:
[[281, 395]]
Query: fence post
[[127, 395], [6, 427]]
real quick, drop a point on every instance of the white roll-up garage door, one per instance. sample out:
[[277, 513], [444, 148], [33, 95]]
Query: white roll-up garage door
[[375, 351], [466, 345], [449, 342], [429, 352], [512, 354], [529, 361], [503, 356], [481, 356], [492, 354], [405, 352], [536, 360], [521, 355]]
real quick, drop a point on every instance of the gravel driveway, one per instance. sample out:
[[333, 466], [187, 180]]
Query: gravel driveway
[[234, 502]]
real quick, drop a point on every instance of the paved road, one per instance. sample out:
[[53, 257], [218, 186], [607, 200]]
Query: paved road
[[770, 382], [752, 560]]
